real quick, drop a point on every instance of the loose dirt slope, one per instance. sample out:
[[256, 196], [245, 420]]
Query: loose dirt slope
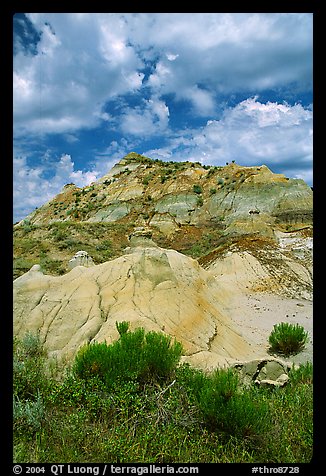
[[265, 283]]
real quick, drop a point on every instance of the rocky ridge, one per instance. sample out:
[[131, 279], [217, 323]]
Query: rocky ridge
[[169, 195], [191, 208]]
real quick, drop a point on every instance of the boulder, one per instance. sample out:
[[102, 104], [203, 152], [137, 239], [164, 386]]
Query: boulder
[[265, 372], [279, 382], [81, 258]]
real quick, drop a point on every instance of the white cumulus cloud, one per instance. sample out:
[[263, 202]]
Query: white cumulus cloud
[[32, 188], [150, 118], [251, 133]]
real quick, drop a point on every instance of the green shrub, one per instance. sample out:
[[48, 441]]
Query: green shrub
[[211, 171], [136, 356], [22, 265], [68, 243], [27, 377], [147, 179], [81, 394], [301, 374], [161, 357], [191, 379], [287, 338], [246, 415], [197, 189], [194, 417], [31, 345], [104, 245], [122, 327], [51, 266], [291, 410], [215, 392], [224, 406], [59, 234], [200, 202]]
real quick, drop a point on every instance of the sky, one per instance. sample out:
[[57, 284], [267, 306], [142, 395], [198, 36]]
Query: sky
[[88, 88]]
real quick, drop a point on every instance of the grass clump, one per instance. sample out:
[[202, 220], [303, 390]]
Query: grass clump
[[287, 339], [28, 414], [28, 366]]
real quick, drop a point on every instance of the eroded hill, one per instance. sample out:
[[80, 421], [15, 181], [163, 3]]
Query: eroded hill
[[151, 287], [250, 231], [189, 207]]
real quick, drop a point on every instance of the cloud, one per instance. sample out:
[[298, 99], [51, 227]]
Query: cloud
[[84, 60], [171, 56], [203, 103], [135, 74], [35, 185], [71, 138], [150, 118], [251, 133], [79, 65], [233, 52]]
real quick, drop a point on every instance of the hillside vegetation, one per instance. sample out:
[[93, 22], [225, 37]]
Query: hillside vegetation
[[172, 414]]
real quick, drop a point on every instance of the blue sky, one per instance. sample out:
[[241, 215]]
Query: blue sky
[[208, 87]]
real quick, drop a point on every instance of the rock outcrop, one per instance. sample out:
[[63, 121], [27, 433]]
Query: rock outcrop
[[263, 372], [81, 258], [282, 267], [155, 288]]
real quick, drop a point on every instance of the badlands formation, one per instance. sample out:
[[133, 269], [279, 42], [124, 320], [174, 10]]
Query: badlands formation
[[158, 289], [221, 307]]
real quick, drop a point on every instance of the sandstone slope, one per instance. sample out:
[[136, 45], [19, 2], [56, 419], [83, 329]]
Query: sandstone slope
[[157, 289]]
